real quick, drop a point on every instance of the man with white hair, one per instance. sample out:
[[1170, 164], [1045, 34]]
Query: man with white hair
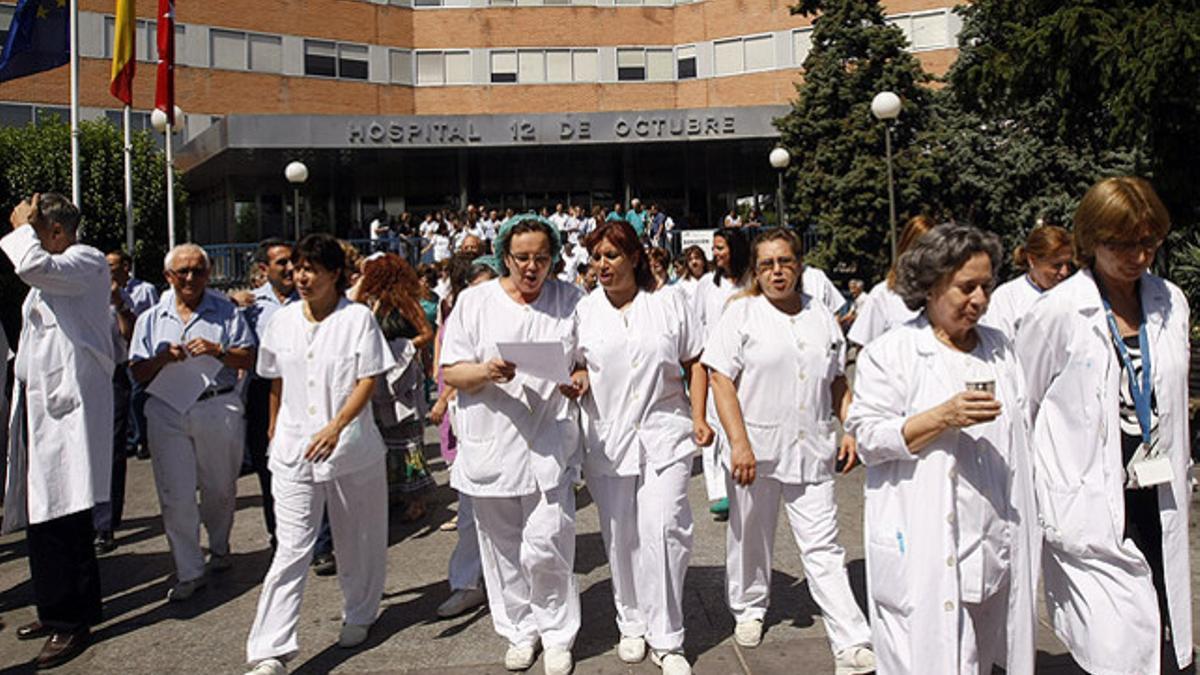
[[60, 441], [197, 340]]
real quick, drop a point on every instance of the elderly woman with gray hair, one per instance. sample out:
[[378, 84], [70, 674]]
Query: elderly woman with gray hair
[[938, 413]]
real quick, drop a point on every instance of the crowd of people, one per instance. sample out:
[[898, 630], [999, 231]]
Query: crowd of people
[[1011, 432]]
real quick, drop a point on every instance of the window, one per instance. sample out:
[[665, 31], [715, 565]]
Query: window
[[929, 31], [504, 66], [15, 115], [631, 65], [585, 65], [266, 53], [145, 38], [427, 3], [401, 65], [801, 45], [558, 65], [685, 60], [227, 49], [760, 54], [727, 57], [744, 54], [331, 59], [444, 67], [636, 64], [458, 67], [6, 15], [531, 66], [660, 64]]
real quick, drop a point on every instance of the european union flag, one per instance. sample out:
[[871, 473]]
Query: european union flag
[[38, 39]]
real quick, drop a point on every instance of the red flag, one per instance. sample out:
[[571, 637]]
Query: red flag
[[164, 94]]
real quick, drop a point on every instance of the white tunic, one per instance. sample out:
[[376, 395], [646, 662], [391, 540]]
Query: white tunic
[[519, 437], [709, 301], [65, 363], [783, 367], [883, 310], [951, 523], [1009, 304], [320, 364], [816, 283], [636, 412], [1098, 588]]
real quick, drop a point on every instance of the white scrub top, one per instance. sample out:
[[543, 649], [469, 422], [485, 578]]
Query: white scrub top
[[519, 437], [320, 364], [816, 283], [883, 310], [784, 367], [1009, 304], [709, 301], [637, 411]]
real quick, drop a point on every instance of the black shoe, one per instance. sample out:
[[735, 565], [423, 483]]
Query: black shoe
[[62, 647], [324, 565], [105, 543], [143, 452], [33, 631]]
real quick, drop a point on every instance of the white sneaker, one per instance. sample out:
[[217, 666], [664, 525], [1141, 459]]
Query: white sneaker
[[462, 600], [268, 667], [855, 660], [353, 635], [748, 633], [184, 590], [557, 661], [520, 658], [219, 563], [631, 649], [672, 663]]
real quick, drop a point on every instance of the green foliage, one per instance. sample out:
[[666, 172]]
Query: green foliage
[[38, 159], [838, 174]]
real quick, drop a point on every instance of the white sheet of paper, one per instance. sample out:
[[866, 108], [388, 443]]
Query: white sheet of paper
[[545, 360], [180, 383]]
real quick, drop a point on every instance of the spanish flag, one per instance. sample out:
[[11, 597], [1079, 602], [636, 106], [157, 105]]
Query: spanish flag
[[124, 62]]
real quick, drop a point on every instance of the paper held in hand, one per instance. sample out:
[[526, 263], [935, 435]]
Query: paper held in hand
[[544, 360], [179, 384]]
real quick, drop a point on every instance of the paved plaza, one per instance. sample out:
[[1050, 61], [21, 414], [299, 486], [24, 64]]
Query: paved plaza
[[144, 634]]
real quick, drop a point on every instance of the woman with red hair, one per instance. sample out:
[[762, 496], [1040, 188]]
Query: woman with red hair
[[389, 287]]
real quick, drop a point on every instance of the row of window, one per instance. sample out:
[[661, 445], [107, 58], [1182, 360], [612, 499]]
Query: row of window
[[541, 3]]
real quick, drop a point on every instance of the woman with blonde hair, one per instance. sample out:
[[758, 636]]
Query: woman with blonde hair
[[777, 358], [884, 308], [1045, 259], [1105, 355]]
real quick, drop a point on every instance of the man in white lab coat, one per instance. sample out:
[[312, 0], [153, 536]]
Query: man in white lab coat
[[60, 441]]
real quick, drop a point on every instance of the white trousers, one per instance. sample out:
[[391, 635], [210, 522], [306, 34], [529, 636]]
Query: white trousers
[[466, 567], [357, 507], [750, 541], [527, 545], [201, 448], [646, 522], [982, 636]]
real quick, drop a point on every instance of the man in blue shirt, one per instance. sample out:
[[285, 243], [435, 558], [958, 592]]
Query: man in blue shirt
[[138, 296], [202, 338], [636, 217]]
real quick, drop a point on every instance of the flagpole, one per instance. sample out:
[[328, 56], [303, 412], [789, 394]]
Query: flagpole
[[126, 124], [170, 186], [75, 182]]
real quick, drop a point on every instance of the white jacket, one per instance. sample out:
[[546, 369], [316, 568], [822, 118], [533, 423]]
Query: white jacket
[[1098, 586], [910, 508], [65, 366]]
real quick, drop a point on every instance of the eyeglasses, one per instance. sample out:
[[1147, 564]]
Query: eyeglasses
[[768, 264], [526, 259], [1149, 245], [185, 272]]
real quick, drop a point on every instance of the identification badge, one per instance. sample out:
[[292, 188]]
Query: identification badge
[[1152, 471]]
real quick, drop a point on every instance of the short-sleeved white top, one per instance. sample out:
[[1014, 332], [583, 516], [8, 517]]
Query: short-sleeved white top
[[816, 283], [1010, 303], [320, 363], [637, 411], [708, 300], [883, 310], [522, 436], [784, 367]]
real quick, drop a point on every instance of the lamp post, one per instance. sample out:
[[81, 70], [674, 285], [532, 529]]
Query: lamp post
[[780, 158], [886, 108], [297, 174], [161, 124]]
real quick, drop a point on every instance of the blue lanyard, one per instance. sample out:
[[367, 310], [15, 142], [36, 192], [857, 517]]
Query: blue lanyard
[[1141, 392]]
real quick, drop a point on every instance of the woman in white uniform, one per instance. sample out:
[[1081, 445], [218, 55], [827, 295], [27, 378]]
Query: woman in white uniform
[[952, 541], [731, 257], [322, 356], [518, 444], [641, 434], [1106, 357], [884, 308], [777, 358], [1045, 259]]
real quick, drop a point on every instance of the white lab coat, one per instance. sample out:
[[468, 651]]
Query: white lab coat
[[1010, 303], [816, 283], [883, 310], [1098, 586], [65, 364], [910, 502]]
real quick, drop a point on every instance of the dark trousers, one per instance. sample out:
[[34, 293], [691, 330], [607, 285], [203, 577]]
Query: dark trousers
[[258, 420], [106, 516], [136, 417], [66, 577], [324, 545]]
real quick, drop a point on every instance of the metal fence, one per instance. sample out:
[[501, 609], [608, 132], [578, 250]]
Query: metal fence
[[232, 263]]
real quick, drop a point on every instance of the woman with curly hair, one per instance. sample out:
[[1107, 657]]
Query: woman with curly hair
[[389, 287]]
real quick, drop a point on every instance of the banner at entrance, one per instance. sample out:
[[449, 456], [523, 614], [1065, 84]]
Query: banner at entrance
[[701, 238]]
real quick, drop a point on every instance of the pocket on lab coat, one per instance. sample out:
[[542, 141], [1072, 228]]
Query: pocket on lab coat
[[61, 395], [480, 460], [887, 574], [767, 441], [1075, 518]]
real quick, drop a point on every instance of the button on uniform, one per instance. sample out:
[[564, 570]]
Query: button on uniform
[[948, 606]]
